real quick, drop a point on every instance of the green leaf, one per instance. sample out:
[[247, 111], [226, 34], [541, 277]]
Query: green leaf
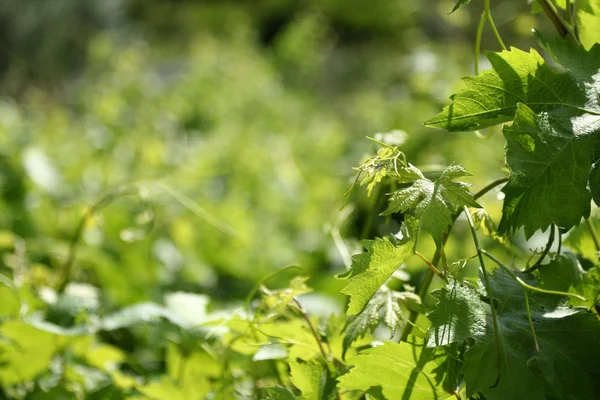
[[385, 300], [588, 22], [566, 275], [166, 389], [550, 157], [402, 370], [9, 300], [595, 181], [433, 203], [581, 242], [458, 315], [309, 377], [279, 393], [492, 97], [448, 371], [550, 145], [565, 363], [372, 269], [25, 352], [460, 4]]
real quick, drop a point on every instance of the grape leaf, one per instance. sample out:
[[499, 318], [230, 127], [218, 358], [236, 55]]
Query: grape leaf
[[385, 300], [25, 352], [458, 315], [566, 275], [588, 22], [433, 202], [595, 181], [403, 370], [567, 339], [370, 270], [492, 97], [550, 145], [309, 377], [550, 157]]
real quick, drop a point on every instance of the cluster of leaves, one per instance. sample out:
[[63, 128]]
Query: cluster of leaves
[[519, 331]]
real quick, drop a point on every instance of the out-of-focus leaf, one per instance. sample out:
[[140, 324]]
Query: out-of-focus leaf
[[25, 353], [309, 377], [403, 370]]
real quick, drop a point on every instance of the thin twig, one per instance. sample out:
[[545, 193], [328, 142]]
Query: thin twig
[[312, 328], [478, 41], [559, 23], [489, 187], [593, 232], [538, 263], [488, 13], [431, 266], [537, 347], [488, 289], [525, 285]]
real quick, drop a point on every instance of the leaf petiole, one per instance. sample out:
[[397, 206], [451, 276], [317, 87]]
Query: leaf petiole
[[488, 288], [525, 285]]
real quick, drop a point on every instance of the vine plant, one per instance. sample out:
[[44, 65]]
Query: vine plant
[[520, 332], [525, 331]]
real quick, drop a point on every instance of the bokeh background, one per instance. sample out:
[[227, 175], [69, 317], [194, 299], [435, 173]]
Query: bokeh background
[[214, 140]]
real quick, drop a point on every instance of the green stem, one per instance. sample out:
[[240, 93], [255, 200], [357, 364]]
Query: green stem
[[561, 26], [537, 347], [569, 12], [489, 187], [492, 24], [431, 266], [412, 317], [593, 232], [478, 41], [312, 328], [525, 285], [545, 252], [488, 288]]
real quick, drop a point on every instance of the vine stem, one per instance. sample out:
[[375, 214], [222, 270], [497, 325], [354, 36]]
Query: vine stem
[[412, 317], [488, 288], [559, 23], [312, 327], [478, 41], [537, 346], [493, 25], [431, 266], [593, 232], [525, 285], [104, 201], [314, 333], [538, 263]]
